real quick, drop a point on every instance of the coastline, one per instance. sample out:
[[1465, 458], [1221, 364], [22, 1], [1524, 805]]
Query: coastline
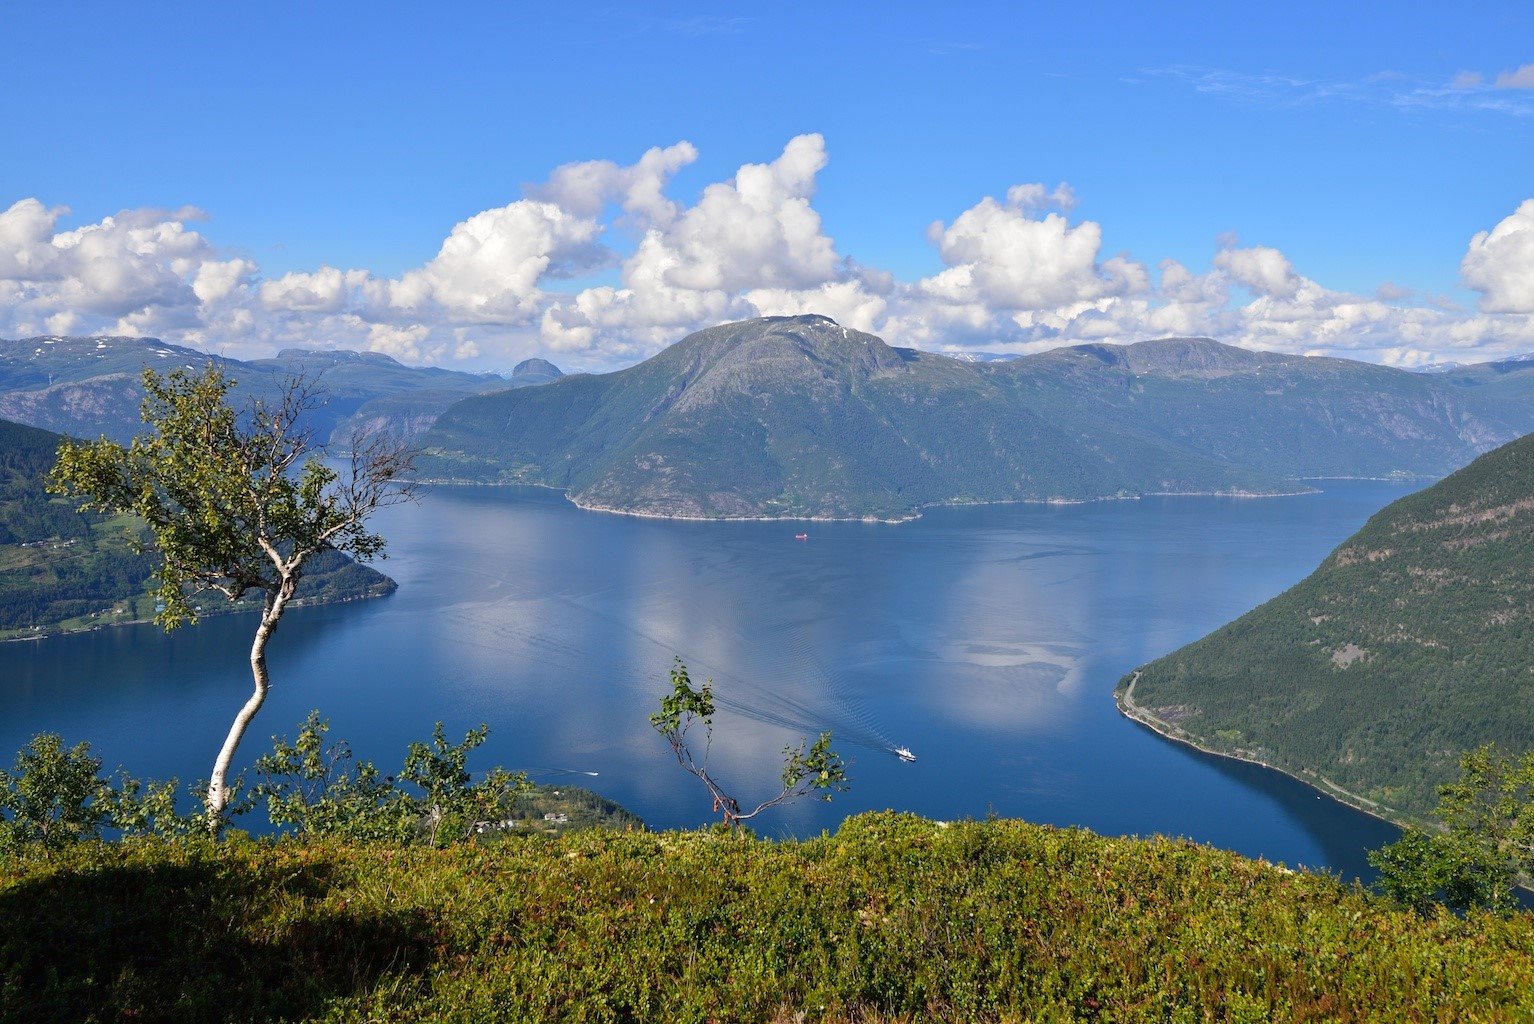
[[48, 634], [891, 521], [1124, 699]]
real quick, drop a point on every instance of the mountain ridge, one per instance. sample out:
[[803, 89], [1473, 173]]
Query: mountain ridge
[[799, 417], [90, 385]]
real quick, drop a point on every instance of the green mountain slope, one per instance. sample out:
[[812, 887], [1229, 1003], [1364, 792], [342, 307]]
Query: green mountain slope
[[797, 416], [90, 386], [1412, 642], [1290, 416], [61, 570]]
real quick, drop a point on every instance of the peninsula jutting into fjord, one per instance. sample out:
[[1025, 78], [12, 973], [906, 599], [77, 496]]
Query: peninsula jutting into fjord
[[767, 513]]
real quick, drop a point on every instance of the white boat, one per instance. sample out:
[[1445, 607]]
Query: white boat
[[904, 753]]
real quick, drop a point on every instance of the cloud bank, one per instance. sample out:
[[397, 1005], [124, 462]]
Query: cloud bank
[[600, 265]]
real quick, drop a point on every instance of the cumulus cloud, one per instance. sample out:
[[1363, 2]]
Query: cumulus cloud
[[587, 187], [758, 230], [491, 266], [1500, 263], [756, 233], [1264, 270], [136, 266], [326, 290], [601, 264], [1001, 256]]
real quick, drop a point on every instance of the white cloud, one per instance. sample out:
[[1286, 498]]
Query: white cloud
[[1519, 78], [756, 234], [600, 265], [756, 231], [138, 265], [1500, 263], [27, 252], [587, 187], [403, 343], [1032, 196], [1264, 270], [1000, 256], [491, 266], [326, 290], [849, 303]]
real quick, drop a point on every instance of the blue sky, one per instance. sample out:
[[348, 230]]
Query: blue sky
[[1354, 140]]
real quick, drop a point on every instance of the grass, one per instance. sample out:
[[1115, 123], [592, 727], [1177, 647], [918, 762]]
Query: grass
[[892, 918]]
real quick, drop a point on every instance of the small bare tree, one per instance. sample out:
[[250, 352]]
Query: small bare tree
[[236, 503], [818, 771]]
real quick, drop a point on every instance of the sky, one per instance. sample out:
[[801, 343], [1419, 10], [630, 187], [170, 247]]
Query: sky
[[473, 184]]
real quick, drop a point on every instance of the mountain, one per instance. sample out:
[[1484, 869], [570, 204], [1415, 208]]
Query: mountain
[[534, 371], [1287, 416], [1501, 386], [1412, 642], [797, 416], [90, 386], [62, 570]]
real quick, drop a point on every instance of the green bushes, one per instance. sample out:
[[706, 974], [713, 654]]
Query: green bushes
[[319, 789], [396, 898], [891, 918], [54, 796], [1484, 847]]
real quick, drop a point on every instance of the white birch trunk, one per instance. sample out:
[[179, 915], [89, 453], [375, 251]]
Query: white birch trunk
[[218, 785]]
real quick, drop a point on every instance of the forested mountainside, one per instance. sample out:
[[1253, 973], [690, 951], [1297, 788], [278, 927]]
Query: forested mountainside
[[1413, 642], [797, 416], [62, 570], [89, 386]]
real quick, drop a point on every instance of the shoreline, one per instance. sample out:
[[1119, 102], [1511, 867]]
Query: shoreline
[[77, 630], [1124, 700], [895, 521]]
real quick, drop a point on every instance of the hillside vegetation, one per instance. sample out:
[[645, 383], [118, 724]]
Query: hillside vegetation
[[1411, 643], [799, 417], [62, 570], [892, 918]]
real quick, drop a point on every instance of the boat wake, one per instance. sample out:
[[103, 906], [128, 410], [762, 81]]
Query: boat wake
[[780, 681], [783, 683]]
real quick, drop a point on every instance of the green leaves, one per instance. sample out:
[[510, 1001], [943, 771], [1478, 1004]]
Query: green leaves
[[319, 788], [54, 796], [1486, 845], [683, 704], [234, 502], [819, 771]]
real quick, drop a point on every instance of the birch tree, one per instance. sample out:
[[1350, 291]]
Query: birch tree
[[237, 502], [817, 772]]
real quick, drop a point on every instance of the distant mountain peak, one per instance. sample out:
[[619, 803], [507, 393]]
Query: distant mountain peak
[[541, 369], [336, 356], [1173, 357]]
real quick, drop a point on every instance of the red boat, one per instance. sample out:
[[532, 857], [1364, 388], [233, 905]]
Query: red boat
[[801, 536]]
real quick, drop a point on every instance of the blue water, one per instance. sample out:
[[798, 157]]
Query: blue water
[[987, 640]]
